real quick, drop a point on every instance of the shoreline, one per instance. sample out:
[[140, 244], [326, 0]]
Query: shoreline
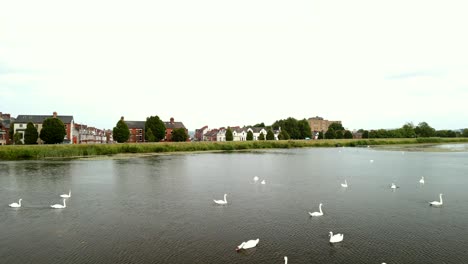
[[84, 151]]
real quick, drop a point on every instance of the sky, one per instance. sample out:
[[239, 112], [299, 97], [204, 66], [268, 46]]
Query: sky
[[371, 64]]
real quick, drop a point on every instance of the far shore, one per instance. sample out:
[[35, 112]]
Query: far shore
[[125, 150]]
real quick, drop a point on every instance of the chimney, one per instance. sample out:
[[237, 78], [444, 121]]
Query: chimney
[[172, 120], [55, 114], [121, 118]]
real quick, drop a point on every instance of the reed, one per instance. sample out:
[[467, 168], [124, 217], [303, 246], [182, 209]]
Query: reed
[[21, 152]]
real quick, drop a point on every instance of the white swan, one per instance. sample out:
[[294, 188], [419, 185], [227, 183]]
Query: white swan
[[393, 186], [16, 205], [66, 195], [222, 202], [345, 184], [59, 206], [263, 182], [317, 213], [255, 179], [285, 260], [248, 244], [371, 161], [437, 203], [421, 180], [335, 238]]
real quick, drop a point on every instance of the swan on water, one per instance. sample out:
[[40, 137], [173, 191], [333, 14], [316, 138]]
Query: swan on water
[[66, 195], [255, 179], [393, 186], [222, 202], [263, 182], [285, 260], [437, 203], [317, 213], [345, 184], [16, 205], [59, 206], [249, 244], [335, 238], [421, 180]]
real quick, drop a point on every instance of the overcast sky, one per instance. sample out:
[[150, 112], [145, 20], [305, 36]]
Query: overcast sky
[[371, 64]]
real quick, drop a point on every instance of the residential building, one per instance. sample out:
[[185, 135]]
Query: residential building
[[211, 135], [137, 131], [199, 133], [239, 134], [89, 135], [318, 124], [171, 125], [22, 121], [221, 135], [5, 121], [256, 131]]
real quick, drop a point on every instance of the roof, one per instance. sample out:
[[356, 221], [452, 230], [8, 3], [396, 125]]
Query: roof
[[39, 119], [135, 124], [174, 125], [256, 129]]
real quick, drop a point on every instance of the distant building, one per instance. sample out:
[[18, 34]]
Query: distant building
[[211, 135], [171, 125], [137, 131], [199, 133], [5, 121], [318, 124], [22, 121]]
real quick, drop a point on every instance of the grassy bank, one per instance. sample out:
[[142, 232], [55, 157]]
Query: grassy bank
[[74, 151]]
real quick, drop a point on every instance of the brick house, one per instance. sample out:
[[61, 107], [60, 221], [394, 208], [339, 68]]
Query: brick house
[[22, 121], [5, 121], [171, 125], [199, 133], [211, 135], [137, 131]]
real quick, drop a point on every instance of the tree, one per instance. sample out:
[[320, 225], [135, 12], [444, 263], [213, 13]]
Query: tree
[[261, 136], [424, 130], [465, 132], [260, 125], [348, 134], [53, 131], [365, 134], [11, 131], [296, 129], [283, 135], [17, 139], [120, 131], [229, 136], [320, 135], [270, 135], [336, 126], [407, 130], [179, 135], [330, 134], [157, 127], [150, 136], [30, 134], [339, 134], [249, 135]]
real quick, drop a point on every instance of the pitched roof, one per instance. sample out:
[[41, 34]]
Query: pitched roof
[[135, 124], [174, 125], [39, 119]]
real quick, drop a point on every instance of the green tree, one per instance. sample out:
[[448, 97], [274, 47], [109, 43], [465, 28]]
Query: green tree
[[424, 130], [249, 135], [330, 134], [53, 131], [365, 134], [320, 135], [121, 132], [348, 134], [150, 136], [283, 135], [11, 131], [157, 127], [339, 134], [179, 135], [270, 135], [229, 136], [260, 125], [30, 134], [17, 139], [296, 129], [465, 132], [407, 130], [261, 136], [336, 126]]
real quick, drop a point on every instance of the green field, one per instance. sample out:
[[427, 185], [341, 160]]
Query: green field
[[21, 152]]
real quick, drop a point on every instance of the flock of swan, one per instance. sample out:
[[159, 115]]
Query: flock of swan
[[334, 238], [55, 206]]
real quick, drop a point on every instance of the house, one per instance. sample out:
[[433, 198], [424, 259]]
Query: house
[[239, 134], [256, 131], [89, 135], [22, 121], [171, 125], [199, 133], [221, 135], [137, 131], [5, 121], [211, 135]]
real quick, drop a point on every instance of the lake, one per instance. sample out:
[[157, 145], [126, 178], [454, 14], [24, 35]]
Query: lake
[[160, 209]]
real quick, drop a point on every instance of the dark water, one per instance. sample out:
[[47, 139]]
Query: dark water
[[160, 209]]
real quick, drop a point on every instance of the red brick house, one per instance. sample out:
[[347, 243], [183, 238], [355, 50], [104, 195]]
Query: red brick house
[[200, 132], [137, 131], [171, 125], [5, 120]]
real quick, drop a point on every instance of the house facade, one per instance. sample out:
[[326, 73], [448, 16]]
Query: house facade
[[211, 135], [137, 131], [199, 133], [239, 134], [21, 122], [170, 126], [256, 131], [221, 135], [318, 124], [5, 121]]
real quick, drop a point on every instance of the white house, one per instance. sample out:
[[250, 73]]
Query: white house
[[256, 131], [37, 120], [221, 136], [239, 134]]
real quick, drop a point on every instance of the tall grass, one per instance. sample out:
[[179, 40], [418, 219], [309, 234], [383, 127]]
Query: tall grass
[[84, 150]]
